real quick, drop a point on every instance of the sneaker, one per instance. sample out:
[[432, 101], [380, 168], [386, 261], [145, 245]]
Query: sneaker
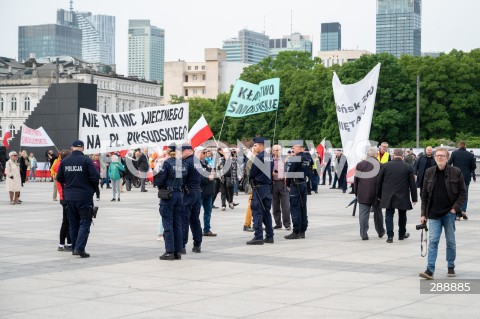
[[196, 249], [61, 248], [390, 240], [98, 199], [288, 228], [277, 227], [118, 199], [302, 234], [230, 205], [427, 274], [464, 216], [113, 199], [293, 235], [451, 272], [382, 234], [167, 256], [458, 219], [404, 236], [268, 240], [214, 207], [67, 248], [223, 207], [235, 204], [248, 228], [160, 237]]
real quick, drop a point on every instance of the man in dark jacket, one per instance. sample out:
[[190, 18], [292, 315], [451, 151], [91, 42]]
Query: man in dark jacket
[[423, 163], [78, 176], [365, 182], [143, 167], [395, 181], [443, 193], [465, 161], [207, 184]]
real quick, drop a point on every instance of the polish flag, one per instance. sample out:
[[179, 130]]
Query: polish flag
[[200, 132], [6, 137], [321, 150]]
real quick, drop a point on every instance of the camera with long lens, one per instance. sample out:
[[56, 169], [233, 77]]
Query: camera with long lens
[[421, 226]]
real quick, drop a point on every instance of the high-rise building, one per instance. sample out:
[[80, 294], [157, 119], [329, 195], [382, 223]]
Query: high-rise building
[[250, 47], [293, 42], [331, 37], [98, 34], [399, 29], [49, 40], [146, 50]]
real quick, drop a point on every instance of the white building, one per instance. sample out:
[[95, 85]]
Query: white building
[[21, 92], [201, 79], [330, 58]]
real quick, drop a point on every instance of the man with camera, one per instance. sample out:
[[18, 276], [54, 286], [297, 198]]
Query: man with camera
[[443, 193], [78, 176]]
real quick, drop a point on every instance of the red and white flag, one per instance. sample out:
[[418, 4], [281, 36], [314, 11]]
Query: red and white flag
[[6, 137], [321, 150], [200, 132]]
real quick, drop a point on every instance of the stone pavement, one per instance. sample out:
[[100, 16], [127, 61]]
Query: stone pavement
[[330, 274]]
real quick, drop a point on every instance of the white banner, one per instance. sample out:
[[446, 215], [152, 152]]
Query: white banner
[[35, 138], [354, 104], [152, 126]]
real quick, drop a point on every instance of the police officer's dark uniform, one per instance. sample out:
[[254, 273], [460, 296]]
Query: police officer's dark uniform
[[192, 201], [298, 192], [171, 210], [261, 198], [309, 180], [78, 176]]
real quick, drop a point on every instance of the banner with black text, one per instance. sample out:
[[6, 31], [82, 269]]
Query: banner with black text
[[108, 132], [248, 98], [354, 104]]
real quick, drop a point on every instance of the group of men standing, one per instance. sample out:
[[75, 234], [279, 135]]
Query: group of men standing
[[382, 182]]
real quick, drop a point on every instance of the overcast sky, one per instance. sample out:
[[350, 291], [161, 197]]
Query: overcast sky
[[192, 25]]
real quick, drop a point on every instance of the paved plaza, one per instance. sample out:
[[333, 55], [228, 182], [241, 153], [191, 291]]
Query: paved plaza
[[330, 274]]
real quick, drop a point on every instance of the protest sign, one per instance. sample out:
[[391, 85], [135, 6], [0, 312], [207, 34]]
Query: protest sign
[[354, 104], [248, 98], [35, 138], [159, 125]]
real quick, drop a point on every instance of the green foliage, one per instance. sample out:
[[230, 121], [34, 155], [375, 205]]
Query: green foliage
[[449, 103]]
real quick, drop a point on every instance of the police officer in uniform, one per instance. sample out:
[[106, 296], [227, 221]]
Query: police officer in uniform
[[261, 194], [78, 176], [171, 177], [191, 199], [296, 172]]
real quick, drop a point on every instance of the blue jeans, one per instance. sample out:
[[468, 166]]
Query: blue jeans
[[435, 230], [402, 222], [207, 213], [465, 202]]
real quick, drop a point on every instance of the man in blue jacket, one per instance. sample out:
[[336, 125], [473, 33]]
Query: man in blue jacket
[[78, 176]]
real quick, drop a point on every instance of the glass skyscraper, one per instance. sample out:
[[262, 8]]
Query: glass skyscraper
[[49, 40], [293, 42], [146, 50], [250, 47], [331, 37], [399, 29], [98, 34]]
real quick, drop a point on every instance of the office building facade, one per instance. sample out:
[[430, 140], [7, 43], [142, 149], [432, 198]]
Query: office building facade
[[399, 29], [98, 34], [49, 40], [331, 36], [146, 50], [293, 42], [249, 47]]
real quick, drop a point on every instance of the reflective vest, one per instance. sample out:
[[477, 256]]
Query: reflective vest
[[383, 159]]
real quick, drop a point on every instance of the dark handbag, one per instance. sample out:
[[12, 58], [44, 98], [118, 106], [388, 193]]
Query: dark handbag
[[164, 193]]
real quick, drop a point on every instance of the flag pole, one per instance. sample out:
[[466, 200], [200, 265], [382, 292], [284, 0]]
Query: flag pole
[[221, 129], [275, 126]]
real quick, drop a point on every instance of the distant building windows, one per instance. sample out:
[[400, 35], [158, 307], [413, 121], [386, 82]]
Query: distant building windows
[[186, 92], [204, 77], [203, 67], [13, 104], [12, 130], [194, 77], [1, 131], [26, 104], [189, 67], [194, 91], [1, 104], [196, 67], [186, 78], [204, 91]]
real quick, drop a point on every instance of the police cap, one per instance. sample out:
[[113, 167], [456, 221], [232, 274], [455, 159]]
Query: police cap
[[259, 140], [77, 143], [186, 147]]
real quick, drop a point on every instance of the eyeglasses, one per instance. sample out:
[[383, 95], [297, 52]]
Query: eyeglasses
[[15, 155], [440, 156]]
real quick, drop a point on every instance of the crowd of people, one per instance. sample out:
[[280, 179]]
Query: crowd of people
[[277, 184]]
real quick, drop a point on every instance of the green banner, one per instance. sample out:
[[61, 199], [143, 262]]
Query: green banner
[[248, 98]]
